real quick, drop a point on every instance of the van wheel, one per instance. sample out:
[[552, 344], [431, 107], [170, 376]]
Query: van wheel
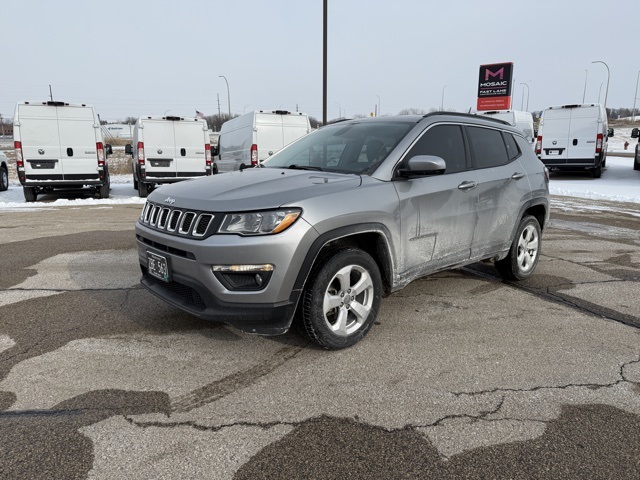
[[636, 165], [341, 301], [143, 189], [135, 181], [29, 194], [4, 179], [597, 172], [524, 252]]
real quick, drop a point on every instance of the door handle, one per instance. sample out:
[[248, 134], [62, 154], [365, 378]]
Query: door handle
[[467, 185], [517, 176]]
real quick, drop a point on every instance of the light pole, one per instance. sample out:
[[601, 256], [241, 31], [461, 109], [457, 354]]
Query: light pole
[[339, 110], [228, 95], [521, 106], [586, 75], [600, 91], [442, 100], [606, 93], [633, 115], [379, 112]]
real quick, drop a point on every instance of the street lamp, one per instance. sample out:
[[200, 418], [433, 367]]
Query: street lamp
[[633, 115], [606, 93], [244, 110], [378, 112], [442, 100], [521, 106], [600, 91], [339, 110], [228, 95], [586, 75]]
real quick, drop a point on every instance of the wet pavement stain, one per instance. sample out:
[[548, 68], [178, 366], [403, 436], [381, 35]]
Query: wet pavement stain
[[47, 443], [571, 447]]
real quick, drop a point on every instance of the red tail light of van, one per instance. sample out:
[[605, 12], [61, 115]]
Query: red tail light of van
[[19, 158], [100, 153], [599, 143], [254, 155], [141, 153], [207, 155], [539, 145]]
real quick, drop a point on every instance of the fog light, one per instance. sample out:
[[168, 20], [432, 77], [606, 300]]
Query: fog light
[[258, 279]]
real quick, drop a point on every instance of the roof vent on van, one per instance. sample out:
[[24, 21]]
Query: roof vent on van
[[172, 118], [281, 112], [570, 106], [55, 104]]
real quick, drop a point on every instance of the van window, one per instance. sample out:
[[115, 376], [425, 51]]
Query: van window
[[444, 141], [487, 147]]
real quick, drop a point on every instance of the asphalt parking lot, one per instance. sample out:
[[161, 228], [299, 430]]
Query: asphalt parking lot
[[464, 376]]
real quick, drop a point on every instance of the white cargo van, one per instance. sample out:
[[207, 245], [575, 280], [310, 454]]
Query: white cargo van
[[574, 137], [523, 121], [59, 146], [251, 138], [168, 149]]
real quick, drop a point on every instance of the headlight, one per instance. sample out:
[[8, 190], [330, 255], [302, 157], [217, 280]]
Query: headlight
[[259, 223]]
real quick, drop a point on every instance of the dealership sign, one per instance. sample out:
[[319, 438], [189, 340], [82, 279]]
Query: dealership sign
[[494, 86]]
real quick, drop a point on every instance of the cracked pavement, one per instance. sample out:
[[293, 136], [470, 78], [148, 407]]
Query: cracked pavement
[[463, 376]]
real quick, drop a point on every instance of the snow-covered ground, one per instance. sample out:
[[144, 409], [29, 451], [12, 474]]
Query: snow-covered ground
[[619, 183]]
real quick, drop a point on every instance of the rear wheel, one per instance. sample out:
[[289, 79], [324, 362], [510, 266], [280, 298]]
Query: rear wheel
[[143, 189], [4, 179], [636, 162], [135, 180], [29, 194], [524, 252], [342, 298], [597, 172]]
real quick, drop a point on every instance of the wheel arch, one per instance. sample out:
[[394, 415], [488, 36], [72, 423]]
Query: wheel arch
[[372, 238]]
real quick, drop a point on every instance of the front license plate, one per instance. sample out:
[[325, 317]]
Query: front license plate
[[158, 266]]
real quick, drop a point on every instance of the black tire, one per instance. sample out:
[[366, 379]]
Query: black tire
[[636, 164], [4, 179], [135, 180], [143, 189], [597, 172], [103, 191], [30, 194], [524, 252], [339, 327]]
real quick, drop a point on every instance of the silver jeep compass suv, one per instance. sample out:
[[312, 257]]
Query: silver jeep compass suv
[[347, 214]]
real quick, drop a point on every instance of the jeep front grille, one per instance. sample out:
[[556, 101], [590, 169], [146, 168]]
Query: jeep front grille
[[175, 221]]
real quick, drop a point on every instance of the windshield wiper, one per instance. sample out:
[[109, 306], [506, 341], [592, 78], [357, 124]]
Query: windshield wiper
[[304, 167]]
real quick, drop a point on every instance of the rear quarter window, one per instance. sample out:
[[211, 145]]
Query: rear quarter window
[[487, 147]]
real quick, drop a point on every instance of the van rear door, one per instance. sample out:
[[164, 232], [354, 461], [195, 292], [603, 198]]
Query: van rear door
[[190, 140], [583, 132], [159, 148], [269, 136], [40, 142], [79, 133], [293, 127], [555, 136]]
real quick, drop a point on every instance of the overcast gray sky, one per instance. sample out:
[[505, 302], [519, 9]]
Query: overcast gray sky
[[135, 57]]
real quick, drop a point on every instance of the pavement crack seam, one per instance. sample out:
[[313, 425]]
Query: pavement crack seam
[[474, 418], [594, 386], [212, 428]]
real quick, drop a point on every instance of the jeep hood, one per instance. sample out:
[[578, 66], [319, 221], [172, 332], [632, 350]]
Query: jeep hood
[[252, 189]]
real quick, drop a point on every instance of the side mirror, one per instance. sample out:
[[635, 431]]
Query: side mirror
[[610, 132], [128, 150], [635, 133], [423, 165], [109, 149]]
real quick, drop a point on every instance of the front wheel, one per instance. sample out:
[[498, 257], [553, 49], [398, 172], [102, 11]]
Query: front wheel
[[342, 299], [524, 253]]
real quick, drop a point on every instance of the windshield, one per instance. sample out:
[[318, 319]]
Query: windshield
[[343, 147]]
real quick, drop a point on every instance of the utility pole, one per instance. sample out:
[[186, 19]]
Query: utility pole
[[50, 93], [324, 63], [218, 104]]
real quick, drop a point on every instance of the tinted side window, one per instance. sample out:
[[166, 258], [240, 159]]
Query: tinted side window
[[444, 141], [487, 147], [513, 151]]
